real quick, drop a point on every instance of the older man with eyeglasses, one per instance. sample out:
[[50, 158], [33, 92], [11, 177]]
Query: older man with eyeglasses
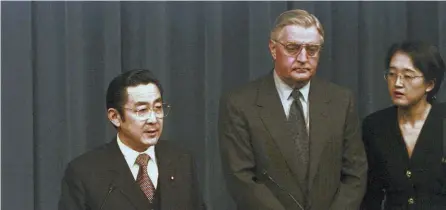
[[134, 170], [290, 140]]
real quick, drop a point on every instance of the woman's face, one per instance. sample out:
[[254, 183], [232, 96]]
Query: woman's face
[[407, 85]]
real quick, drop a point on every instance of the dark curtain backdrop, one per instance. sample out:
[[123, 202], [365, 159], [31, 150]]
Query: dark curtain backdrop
[[58, 58]]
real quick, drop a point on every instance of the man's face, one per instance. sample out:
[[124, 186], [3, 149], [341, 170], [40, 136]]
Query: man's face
[[296, 53], [139, 127]]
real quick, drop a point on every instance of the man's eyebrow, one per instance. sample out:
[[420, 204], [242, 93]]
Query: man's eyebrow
[[145, 102]]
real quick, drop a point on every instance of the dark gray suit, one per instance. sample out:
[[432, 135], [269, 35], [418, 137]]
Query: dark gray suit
[[89, 177], [258, 151]]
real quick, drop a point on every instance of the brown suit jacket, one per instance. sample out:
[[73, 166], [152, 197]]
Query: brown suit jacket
[[88, 179], [258, 153]]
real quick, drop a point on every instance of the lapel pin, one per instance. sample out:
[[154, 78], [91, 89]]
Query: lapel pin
[[172, 178]]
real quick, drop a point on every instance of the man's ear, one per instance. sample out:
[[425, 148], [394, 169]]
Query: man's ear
[[430, 85], [114, 117], [272, 49]]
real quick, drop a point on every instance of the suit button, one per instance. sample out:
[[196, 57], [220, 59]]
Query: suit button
[[408, 174], [411, 201]]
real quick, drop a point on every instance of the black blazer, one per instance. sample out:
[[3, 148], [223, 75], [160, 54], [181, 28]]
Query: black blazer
[[259, 157], [418, 182], [89, 177]]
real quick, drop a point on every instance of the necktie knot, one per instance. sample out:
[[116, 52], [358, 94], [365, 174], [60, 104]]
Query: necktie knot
[[142, 160], [296, 94]]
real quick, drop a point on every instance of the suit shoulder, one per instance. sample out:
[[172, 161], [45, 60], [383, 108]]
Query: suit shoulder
[[381, 116], [334, 88], [332, 91], [172, 148], [91, 157], [247, 89], [440, 109]]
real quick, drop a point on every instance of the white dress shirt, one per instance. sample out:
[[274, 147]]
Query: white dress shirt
[[130, 156], [285, 90]]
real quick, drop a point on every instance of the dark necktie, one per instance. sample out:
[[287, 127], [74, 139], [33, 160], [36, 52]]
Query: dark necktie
[[143, 178], [298, 127]]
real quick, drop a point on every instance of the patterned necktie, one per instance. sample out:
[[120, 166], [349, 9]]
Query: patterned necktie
[[298, 127], [143, 178]]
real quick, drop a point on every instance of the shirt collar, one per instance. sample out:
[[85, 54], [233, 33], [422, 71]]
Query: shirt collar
[[285, 90], [130, 155]]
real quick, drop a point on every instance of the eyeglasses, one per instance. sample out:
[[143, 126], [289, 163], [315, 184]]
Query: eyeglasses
[[293, 49], [406, 77], [144, 112]]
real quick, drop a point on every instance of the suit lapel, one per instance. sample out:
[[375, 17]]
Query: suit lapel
[[123, 178], [274, 119], [424, 150], [166, 178], [319, 124]]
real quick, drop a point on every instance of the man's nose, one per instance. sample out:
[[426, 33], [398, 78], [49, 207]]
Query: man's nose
[[399, 81], [152, 117], [302, 55]]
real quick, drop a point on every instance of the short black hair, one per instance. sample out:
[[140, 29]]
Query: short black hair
[[426, 58], [117, 89]]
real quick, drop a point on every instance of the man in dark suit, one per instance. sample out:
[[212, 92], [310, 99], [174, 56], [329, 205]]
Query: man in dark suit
[[134, 171], [290, 140]]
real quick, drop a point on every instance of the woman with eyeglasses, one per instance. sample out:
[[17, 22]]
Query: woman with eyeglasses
[[404, 143]]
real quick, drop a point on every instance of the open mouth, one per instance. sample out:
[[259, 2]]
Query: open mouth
[[398, 94], [151, 132]]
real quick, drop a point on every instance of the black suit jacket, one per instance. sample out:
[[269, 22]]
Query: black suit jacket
[[258, 152], [418, 182], [89, 178]]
